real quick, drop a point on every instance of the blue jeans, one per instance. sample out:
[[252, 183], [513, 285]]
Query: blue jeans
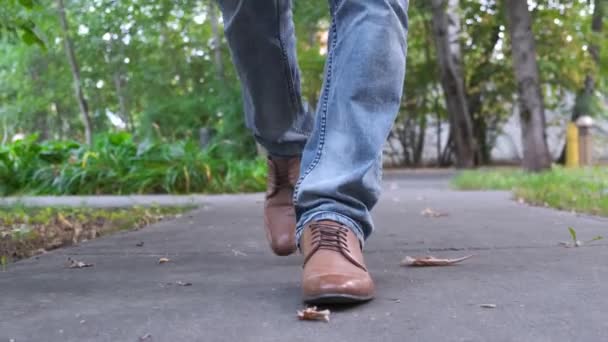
[[341, 146]]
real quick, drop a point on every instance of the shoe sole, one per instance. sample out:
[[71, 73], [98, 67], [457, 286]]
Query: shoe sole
[[335, 298]]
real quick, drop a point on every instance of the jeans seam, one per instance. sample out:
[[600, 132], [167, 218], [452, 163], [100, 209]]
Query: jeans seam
[[286, 66], [338, 6], [323, 118]]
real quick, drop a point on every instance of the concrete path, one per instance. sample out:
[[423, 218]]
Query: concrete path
[[241, 292]]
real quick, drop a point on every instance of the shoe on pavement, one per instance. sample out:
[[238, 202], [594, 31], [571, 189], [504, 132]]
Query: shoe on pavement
[[334, 269], [279, 212]]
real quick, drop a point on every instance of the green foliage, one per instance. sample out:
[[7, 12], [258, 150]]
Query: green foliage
[[495, 179], [116, 164], [153, 65], [584, 189], [15, 21]]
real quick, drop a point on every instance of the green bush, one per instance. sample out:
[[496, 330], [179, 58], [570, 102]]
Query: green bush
[[115, 164]]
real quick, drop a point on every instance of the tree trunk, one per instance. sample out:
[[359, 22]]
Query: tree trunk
[[531, 107], [115, 58], [597, 23], [594, 51], [475, 92], [4, 132], [41, 124], [69, 50], [438, 142], [122, 101], [446, 155], [446, 27], [419, 146], [216, 45], [59, 123]]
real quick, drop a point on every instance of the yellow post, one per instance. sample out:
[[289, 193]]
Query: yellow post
[[572, 150]]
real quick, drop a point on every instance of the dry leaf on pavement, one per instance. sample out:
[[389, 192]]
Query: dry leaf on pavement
[[428, 212], [312, 314], [163, 260], [77, 264], [431, 261], [146, 337]]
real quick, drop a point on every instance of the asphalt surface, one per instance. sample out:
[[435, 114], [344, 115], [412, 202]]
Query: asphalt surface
[[241, 292]]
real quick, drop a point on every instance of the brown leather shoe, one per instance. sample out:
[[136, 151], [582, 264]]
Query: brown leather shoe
[[334, 270], [279, 213]]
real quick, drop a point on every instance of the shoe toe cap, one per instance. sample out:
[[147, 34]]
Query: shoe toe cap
[[283, 244], [336, 284]]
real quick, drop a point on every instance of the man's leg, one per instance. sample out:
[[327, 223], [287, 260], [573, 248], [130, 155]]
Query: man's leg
[[341, 164], [262, 40]]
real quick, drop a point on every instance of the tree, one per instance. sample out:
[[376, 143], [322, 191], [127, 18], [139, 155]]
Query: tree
[[78, 92], [584, 104], [217, 49], [586, 101], [531, 105], [446, 27], [164, 68]]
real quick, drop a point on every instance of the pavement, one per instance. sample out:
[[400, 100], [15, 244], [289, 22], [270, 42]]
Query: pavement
[[241, 292]]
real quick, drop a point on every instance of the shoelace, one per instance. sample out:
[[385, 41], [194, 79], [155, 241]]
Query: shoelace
[[333, 238]]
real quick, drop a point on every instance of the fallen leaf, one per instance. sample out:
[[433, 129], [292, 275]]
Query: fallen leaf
[[488, 306], [77, 264], [312, 314], [236, 252], [64, 222], [140, 244], [428, 212], [145, 337], [77, 233], [572, 233], [597, 238], [579, 243], [431, 261], [163, 260], [40, 251]]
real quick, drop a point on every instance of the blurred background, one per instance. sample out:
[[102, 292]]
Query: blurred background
[[140, 96]]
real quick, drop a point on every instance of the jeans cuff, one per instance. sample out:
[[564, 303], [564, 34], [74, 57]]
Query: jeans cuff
[[282, 150], [331, 216]]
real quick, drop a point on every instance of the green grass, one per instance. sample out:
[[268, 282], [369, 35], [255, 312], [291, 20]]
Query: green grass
[[25, 232], [582, 190], [117, 164]]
